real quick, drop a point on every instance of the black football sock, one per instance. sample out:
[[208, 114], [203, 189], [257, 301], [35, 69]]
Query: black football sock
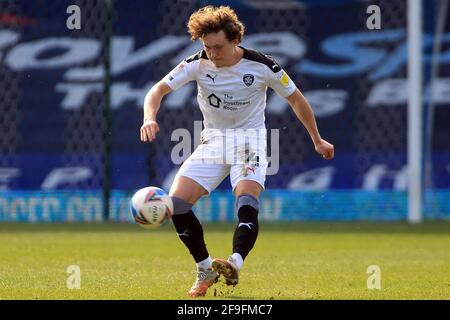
[[190, 232], [247, 230]]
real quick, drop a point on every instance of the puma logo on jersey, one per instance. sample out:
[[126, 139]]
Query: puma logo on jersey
[[183, 234], [245, 224], [211, 77]]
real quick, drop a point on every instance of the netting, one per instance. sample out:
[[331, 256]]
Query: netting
[[46, 123], [436, 111], [54, 124]]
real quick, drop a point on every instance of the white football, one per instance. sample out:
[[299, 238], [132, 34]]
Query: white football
[[151, 207]]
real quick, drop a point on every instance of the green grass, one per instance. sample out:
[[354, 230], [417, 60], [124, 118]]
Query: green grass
[[289, 261]]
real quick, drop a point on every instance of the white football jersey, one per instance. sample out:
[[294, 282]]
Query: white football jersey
[[232, 97]]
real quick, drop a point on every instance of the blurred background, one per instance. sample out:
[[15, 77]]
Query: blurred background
[[71, 108]]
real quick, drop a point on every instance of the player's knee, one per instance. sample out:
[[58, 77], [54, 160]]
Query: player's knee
[[248, 187], [180, 206]]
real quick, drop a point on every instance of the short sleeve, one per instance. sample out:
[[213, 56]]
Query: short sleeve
[[180, 75], [280, 82]]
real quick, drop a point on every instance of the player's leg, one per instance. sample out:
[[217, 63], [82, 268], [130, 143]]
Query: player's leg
[[184, 193], [248, 183], [194, 180], [247, 207], [247, 179]]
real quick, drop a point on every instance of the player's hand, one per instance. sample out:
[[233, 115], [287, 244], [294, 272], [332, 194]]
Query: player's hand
[[149, 129], [325, 149]]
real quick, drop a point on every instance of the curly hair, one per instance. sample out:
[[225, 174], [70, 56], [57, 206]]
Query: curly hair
[[212, 19]]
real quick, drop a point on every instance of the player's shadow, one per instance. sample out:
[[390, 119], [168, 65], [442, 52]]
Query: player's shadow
[[229, 294], [232, 297], [239, 298]]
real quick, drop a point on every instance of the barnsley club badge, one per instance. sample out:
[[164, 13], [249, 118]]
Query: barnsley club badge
[[248, 79]]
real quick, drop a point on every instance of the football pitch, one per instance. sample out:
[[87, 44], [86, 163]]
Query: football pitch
[[289, 261]]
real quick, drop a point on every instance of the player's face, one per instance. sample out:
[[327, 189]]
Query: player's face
[[218, 48]]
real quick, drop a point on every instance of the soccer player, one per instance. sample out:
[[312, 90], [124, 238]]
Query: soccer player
[[232, 83]]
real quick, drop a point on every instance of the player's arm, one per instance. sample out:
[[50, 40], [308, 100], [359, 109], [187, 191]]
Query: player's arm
[[184, 72], [152, 102], [305, 114]]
